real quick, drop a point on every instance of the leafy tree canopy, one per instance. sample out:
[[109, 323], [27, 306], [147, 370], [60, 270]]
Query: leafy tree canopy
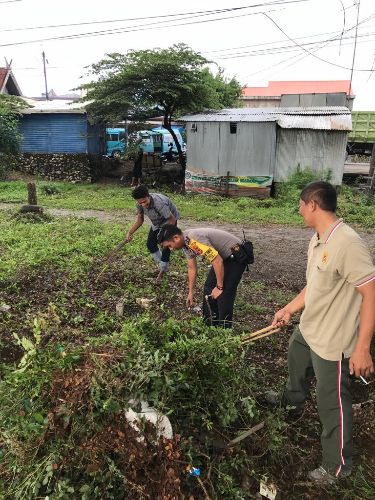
[[160, 81], [9, 132], [167, 82]]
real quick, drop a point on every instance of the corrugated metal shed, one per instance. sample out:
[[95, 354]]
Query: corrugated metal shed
[[59, 127], [318, 118], [215, 150], [319, 150], [268, 141], [54, 133]]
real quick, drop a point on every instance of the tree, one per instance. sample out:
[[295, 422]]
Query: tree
[[147, 83], [9, 130]]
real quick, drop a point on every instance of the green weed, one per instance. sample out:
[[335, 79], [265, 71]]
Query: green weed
[[283, 209]]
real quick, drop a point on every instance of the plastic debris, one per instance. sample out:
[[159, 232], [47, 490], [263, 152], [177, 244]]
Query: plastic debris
[[161, 422], [4, 308], [194, 471], [197, 309], [145, 303], [268, 490]]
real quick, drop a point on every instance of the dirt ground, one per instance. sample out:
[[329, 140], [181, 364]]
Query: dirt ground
[[289, 244]]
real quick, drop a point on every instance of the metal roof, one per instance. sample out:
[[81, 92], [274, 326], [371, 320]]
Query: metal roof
[[57, 106], [318, 118], [7, 79]]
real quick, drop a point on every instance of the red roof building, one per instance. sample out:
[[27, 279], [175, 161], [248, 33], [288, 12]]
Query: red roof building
[[300, 93], [8, 84]]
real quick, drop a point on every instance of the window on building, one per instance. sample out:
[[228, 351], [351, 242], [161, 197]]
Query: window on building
[[233, 127], [194, 127]]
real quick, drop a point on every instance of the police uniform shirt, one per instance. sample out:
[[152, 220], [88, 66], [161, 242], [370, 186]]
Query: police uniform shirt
[[208, 243]]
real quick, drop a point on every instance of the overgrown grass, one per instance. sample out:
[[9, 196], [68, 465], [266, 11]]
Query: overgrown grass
[[283, 209], [69, 244]]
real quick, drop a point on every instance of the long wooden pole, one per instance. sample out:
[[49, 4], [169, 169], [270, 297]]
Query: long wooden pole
[[248, 340]]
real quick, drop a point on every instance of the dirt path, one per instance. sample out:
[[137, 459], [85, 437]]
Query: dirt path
[[280, 250]]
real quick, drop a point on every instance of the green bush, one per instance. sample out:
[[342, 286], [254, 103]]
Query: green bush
[[299, 179], [59, 404]]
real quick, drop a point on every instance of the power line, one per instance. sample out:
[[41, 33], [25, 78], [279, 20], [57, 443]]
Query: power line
[[306, 55], [203, 12], [271, 51], [343, 24], [268, 43], [311, 53], [141, 27], [287, 48]]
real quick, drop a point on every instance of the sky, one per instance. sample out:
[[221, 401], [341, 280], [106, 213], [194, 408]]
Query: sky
[[257, 41]]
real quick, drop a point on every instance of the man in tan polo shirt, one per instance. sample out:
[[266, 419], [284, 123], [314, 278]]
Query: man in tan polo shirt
[[335, 330]]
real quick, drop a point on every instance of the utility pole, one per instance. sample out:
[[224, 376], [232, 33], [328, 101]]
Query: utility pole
[[45, 74], [357, 3]]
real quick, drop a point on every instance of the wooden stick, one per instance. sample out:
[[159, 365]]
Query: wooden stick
[[246, 434], [206, 495], [247, 340], [110, 256], [258, 332]]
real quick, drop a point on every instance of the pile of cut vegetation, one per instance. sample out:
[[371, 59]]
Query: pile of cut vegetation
[[64, 425]]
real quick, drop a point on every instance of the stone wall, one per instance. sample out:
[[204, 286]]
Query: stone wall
[[68, 167]]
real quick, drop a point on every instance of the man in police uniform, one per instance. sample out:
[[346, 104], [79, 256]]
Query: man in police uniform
[[335, 330], [219, 249], [160, 210]]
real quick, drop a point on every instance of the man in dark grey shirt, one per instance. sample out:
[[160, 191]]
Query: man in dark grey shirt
[[160, 210], [221, 250]]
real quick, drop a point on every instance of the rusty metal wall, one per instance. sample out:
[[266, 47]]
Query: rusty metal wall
[[316, 149]]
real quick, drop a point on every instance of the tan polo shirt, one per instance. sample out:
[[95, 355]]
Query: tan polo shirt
[[338, 264]]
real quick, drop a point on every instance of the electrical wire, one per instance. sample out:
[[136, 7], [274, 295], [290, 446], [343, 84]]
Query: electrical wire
[[267, 43], [311, 53], [343, 25], [141, 27], [305, 55], [107, 21], [288, 48]]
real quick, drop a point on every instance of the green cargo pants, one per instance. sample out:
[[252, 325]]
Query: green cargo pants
[[333, 398]]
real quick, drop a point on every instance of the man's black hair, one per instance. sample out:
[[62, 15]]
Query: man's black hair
[[167, 232], [140, 192], [323, 193]]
